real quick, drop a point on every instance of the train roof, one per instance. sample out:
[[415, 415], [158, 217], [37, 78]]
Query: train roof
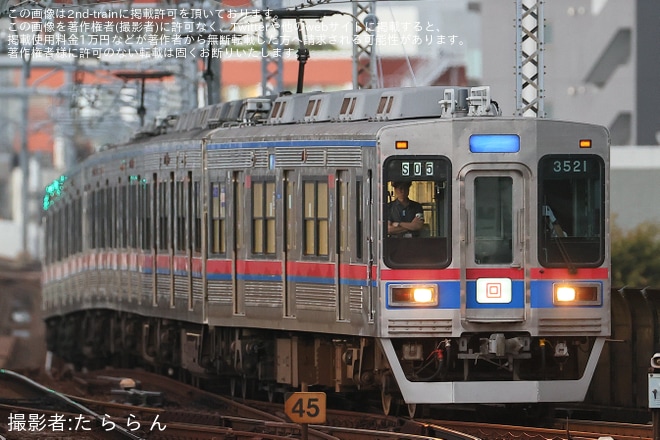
[[373, 105], [341, 115]]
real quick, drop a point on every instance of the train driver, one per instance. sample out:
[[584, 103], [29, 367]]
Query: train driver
[[405, 216]]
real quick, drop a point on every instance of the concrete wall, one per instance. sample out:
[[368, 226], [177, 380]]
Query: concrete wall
[[635, 185]]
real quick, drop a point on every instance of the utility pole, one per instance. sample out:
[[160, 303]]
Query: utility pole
[[365, 72], [529, 58], [272, 57], [24, 155]]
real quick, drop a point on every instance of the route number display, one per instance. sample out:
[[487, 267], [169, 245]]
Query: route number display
[[305, 407]]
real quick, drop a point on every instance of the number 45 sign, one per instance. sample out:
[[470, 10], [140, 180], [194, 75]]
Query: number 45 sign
[[305, 407]]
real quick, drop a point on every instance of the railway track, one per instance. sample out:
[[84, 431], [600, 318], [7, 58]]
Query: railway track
[[221, 418], [573, 430], [184, 412]]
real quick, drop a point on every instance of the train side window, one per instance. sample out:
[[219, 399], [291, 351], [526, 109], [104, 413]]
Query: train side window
[[66, 224], [146, 208], [123, 206], [359, 219], [315, 218], [102, 205], [180, 204], [197, 215], [263, 217], [163, 220], [111, 217], [426, 182], [571, 210], [133, 215], [218, 218]]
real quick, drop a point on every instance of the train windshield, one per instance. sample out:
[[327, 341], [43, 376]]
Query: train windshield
[[571, 210], [417, 212]]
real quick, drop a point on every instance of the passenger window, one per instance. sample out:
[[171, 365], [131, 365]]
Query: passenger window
[[218, 216], [263, 217], [197, 216], [181, 213], [163, 215], [315, 218]]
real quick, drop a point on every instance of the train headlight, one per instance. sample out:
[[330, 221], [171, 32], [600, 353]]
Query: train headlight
[[423, 295], [410, 295], [577, 294], [565, 294]]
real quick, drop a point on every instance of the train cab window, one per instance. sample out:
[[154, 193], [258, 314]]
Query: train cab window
[[218, 218], [571, 210], [417, 212], [263, 217], [315, 218]]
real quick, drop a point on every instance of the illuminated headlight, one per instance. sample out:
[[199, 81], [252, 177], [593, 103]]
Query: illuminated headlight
[[565, 293], [577, 294], [413, 295]]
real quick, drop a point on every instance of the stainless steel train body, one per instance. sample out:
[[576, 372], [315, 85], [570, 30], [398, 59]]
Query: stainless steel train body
[[254, 247]]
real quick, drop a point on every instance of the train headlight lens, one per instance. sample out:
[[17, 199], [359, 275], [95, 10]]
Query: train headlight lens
[[413, 296], [423, 295], [578, 294], [565, 294]]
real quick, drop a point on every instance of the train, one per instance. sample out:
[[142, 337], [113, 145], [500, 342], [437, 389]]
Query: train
[[256, 243]]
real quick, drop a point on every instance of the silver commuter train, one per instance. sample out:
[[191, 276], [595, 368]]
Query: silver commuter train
[[248, 242]]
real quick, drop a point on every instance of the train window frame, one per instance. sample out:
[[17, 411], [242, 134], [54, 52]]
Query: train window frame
[[557, 222], [359, 218], [493, 220], [180, 214], [133, 212], [123, 214], [218, 218], [315, 221], [426, 250], [263, 217], [196, 217]]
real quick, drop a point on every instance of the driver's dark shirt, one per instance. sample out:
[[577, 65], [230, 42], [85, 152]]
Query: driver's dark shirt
[[396, 212]]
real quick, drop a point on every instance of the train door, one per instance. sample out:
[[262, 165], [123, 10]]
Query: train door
[[289, 235], [184, 235], [366, 205], [343, 229], [153, 208], [493, 257], [238, 218], [187, 231], [169, 239]]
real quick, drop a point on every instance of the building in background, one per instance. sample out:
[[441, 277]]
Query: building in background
[[602, 63]]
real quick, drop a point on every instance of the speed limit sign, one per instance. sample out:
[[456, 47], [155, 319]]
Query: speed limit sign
[[305, 407]]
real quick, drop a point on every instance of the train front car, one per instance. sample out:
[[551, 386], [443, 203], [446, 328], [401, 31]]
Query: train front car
[[499, 292]]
